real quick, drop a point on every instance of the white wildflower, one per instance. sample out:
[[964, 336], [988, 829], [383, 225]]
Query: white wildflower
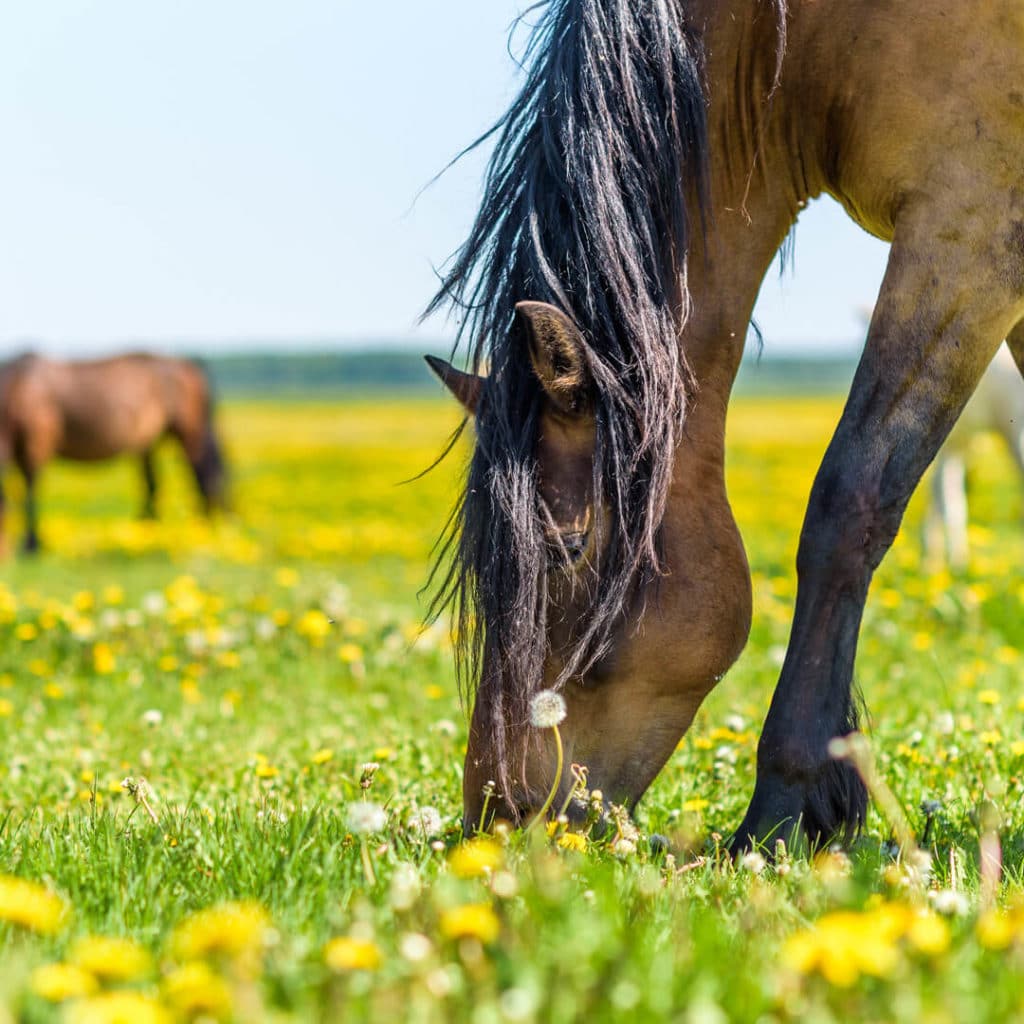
[[949, 902], [547, 709], [153, 717], [753, 862], [266, 628], [365, 817], [415, 947], [425, 822]]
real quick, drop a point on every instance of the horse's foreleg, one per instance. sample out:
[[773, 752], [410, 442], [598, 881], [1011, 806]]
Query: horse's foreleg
[[149, 484], [949, 500], [1015, 433], [31, 542], [934, 331], [3, 514]]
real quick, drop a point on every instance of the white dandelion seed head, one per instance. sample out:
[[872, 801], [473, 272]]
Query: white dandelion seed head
[[753, 862], [949, 902], [415, 947], [623, 847], [365, 817], [425, 821], [547, 709]]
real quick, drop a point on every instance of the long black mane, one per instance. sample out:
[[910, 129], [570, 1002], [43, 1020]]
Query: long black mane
[[587, 202]]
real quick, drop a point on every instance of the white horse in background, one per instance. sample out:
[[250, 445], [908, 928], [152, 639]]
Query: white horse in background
[[996, 407]]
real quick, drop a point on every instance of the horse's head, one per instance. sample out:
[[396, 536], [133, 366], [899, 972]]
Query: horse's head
[[550, 589]]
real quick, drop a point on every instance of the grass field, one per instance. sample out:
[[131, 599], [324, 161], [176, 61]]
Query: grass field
[[250, 670]]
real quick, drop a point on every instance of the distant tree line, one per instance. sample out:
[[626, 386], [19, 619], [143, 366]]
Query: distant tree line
[[397, 372]]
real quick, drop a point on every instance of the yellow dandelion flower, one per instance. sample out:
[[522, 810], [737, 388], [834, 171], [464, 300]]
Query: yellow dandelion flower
[[313, 625], [266, 771], [929, 934], [230, 929], [349, 954], [350, 653], [6, 708], [111, 958], [573, 841], [286, 577], [57, 982], [988, 697], [470, 921], [695, 804], [39, 667], [1007, 655], [922, 641], [113, 594], [322, 756], [991, 737], [167, 663], [31, 905], [190, 692], [103, 660], [26, 631], [195, 990], [844, 945], [125, 1007], [434, 692], [475, 857], [994, 930]]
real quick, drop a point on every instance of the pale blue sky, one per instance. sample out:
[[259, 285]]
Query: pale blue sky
[[246, 169]]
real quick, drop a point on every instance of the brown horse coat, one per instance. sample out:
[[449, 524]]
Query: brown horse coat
[[97, 409], [911, 114]]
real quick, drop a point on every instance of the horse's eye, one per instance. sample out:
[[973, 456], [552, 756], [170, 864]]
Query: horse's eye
[[567, 547]]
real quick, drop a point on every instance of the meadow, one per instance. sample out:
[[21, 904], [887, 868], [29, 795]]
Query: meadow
[[230, 766]]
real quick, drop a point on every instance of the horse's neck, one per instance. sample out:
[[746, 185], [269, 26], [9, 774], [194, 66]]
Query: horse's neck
[[759, 179]]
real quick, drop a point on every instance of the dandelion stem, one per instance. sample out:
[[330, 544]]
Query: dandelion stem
[[579, 785], [364, 853], [488, 793], [559, 765]]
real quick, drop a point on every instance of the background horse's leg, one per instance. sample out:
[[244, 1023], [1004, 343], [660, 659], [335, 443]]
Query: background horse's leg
[[203, 452], [942, 312], [1015, 343], [949, 498], [149, 483], [1015, 426], [31, 543]]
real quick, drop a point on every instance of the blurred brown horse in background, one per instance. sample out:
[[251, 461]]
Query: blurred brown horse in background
[[97, 409]]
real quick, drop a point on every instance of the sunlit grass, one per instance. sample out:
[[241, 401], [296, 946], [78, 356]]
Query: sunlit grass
[[261, 686]]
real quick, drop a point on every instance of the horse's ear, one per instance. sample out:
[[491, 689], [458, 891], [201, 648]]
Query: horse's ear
[[466, 387], [556, 351]]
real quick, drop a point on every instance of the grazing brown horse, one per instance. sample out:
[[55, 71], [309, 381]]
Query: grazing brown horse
[[97, 409], [656, 158]]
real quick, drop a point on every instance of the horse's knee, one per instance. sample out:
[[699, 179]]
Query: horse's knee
[[851, 522]]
